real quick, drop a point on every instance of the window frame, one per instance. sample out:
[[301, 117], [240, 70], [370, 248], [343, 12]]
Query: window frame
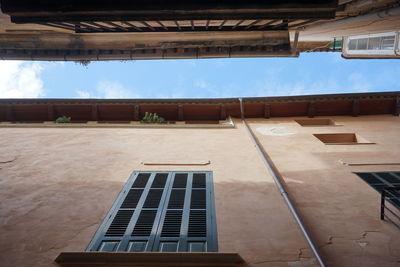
[[371, 52], [155, 236]]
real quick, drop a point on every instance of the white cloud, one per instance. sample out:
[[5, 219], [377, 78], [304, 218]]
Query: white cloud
[[20, 79], [83, 94], [275, 84], [108, 89]]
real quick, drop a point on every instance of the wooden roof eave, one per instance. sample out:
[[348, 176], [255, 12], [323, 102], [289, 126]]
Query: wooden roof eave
[[200, 109]]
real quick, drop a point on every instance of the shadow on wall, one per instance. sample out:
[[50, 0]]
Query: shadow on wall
[[343, 215], [43, 220]]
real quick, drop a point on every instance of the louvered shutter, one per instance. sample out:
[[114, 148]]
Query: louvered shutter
[[188, 219], [132, 223], [161, 211]]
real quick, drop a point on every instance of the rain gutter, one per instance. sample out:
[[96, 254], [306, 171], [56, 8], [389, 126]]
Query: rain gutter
[[279, 184]]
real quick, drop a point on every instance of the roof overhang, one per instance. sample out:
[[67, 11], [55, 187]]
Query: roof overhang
[[210, 44], [83, 110], [27, 11], [154, 29]]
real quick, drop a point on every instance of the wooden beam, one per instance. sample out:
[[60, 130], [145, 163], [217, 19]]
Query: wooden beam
[[282, 24], [253, 23], [116, 25], [100, 25], [207, 24], [267, 110], [378, 103], [95, 113], [356, 108], [180, 113], [238, 23], [222, 24], [268, 23], [397, 106], [136, 113], [10, 113], [80, 25], [177, 25], [131, 25], [147, 25], [311, 109], [162, 25], [50, 113], [222, 111]]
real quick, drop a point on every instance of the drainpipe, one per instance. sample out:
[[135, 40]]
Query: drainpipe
[[278, 182]]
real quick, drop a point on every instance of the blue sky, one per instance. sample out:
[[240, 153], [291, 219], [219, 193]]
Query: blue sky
[[311, 73]]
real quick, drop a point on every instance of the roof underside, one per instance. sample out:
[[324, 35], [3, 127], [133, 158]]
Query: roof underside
[[75, 10], [157, 29], [164, 29], [117, 110]]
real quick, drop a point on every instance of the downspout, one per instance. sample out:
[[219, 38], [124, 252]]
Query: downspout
[[278, 182]]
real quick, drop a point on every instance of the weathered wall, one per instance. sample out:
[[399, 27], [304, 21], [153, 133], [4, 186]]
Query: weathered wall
[[341, 210], [326, 32], [62, 182], [59, 184]]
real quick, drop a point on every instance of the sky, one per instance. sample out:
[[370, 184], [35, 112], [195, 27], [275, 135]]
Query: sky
[[311, 73]]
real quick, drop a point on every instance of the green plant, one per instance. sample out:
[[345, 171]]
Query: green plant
[[152, 118], [84, 63], [63, 119]]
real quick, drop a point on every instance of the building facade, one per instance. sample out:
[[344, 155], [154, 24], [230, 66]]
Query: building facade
[[60, 182], [88, 30]]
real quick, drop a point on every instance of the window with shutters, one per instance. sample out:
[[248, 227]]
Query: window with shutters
[[163, 212]]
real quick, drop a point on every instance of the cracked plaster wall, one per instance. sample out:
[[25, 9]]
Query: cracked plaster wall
[[56, 185], [341, 211], [62, 182]]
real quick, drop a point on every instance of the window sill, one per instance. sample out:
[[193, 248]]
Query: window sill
[[117, 259], [350, 143]]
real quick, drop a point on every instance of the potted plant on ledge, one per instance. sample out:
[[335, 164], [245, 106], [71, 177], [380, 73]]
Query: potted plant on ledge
[[152, 118]]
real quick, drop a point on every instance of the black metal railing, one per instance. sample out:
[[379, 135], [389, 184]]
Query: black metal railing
[[391, 212]]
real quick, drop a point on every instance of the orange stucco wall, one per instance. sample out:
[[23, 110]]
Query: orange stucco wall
[[58, 184], [341, 210]]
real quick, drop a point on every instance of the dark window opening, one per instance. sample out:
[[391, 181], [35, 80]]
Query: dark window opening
[[384, 181], [342, 139], [315, 122]]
